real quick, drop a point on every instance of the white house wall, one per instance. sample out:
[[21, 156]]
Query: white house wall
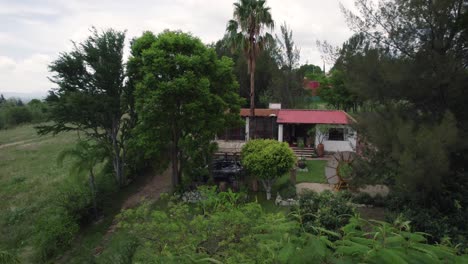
[[349, 144]]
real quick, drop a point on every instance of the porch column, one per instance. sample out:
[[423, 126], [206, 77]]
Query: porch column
[[280, 132], [246, 128]]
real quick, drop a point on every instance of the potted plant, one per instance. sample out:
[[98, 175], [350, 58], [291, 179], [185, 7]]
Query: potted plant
[[321, 132], [301, 163]]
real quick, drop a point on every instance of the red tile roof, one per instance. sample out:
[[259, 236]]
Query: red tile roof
[[296, 116], [259, 112]]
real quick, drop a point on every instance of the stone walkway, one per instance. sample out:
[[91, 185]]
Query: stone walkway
[[372, 190], [316, 187]]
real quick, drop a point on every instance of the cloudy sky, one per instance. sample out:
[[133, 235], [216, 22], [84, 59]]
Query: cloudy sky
[[33, 32]]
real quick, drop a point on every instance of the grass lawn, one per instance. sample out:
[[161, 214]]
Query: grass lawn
[[28, 175], [315, 174]]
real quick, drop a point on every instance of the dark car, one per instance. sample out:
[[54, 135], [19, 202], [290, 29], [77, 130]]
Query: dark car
[[227, 170]]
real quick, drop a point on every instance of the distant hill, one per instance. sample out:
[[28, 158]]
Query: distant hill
[[25, 97]]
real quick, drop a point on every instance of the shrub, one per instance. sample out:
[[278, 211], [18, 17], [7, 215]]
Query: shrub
[[237, 232], [287, 190], [120, 250], [61, 219], [267, 160], [55, 231], [362, 198], [325, 210]]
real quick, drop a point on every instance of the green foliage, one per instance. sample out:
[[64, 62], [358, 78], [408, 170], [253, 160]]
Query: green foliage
[[267, 160], [13, 113], [248, 33], [92, 97], [229, 231], [56, 229], [336, 94], [287, 190], [186, 96], [415, 124], [321, 131], [120, 250], [232, 231], [388, 243], [7, 257], [324, 210]]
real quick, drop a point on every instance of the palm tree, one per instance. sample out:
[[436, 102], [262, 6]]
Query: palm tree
[[86, 157], [246, 31]]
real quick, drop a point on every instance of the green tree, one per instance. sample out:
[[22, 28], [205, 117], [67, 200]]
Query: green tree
[[267, 160], [414, 58], [288, 60], [187, 95], [86, 157], [92, 96], [336, 94], [247, 31]]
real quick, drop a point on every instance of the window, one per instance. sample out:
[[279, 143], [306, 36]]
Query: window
[[336, 134]]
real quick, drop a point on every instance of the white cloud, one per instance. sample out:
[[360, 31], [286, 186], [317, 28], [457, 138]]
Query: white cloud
[[32, 33], [28, 75]]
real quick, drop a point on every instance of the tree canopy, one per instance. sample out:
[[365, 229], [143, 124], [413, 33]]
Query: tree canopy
[[90, 94], [408, 64], [184, 97], [247, 32], [267, 160]]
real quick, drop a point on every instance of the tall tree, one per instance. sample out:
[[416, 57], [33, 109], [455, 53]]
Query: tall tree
[[185, 97], [289, 60], [92, 96], [247, 31], [415, 79]]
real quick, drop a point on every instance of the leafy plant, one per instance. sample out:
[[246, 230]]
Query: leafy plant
[[324, 210], [267, 160], [232, 231], [287, 190], [321, 132], [87, 156]]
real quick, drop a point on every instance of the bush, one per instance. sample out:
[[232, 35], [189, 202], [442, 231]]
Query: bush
[[267, 160], [60, 221], [287, 190], [325, 210], [363, 198], [236, 232], [55, 232], [120, 250]]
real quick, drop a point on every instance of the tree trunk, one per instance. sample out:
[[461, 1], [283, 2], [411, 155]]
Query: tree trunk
[[252, 126], [92, 186], [267, 185], [116, 159], [175, 157]]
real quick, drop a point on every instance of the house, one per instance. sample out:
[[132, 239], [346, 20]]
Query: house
[[293, 126], [311, 85]]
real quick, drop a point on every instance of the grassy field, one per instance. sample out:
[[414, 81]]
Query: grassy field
[[28, 175]]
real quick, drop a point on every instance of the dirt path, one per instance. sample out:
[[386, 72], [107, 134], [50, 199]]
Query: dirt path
[[17, 143], [150, 191]]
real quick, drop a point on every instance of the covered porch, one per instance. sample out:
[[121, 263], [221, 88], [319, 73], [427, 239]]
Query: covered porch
[[297, 127]]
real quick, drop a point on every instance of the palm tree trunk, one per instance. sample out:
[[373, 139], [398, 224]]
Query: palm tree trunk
[[252, 126]]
